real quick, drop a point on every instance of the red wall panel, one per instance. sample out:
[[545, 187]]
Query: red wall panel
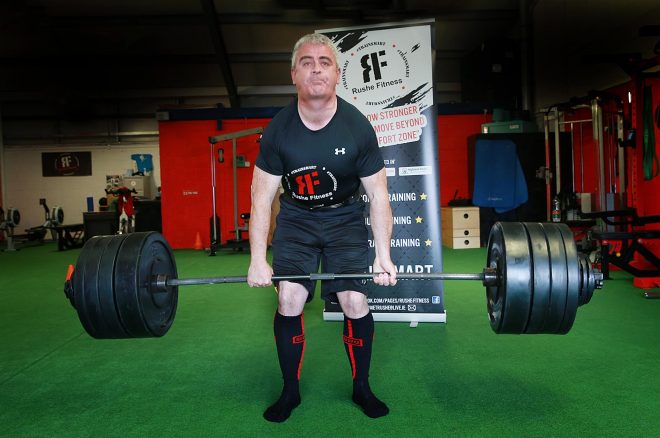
[[185, 157], [453, 132], [643, 194], [186, 172]]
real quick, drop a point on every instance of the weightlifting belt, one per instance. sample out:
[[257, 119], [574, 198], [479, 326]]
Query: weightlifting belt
[[348, 201]]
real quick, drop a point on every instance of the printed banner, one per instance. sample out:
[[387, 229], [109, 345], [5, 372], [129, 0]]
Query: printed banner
[[66, 163], [387, 73]]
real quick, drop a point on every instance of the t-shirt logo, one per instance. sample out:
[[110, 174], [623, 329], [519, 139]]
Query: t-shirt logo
[[306, 183], [341, 151], [311, 184]]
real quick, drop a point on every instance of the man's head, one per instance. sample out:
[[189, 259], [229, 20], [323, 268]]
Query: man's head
[[314, 68], [314, 38]]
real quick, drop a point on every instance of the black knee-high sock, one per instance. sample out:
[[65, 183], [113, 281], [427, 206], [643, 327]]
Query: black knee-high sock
[[358, 340], [290, 341]]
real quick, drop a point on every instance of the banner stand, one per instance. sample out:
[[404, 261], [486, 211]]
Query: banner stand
[[387, 73], [393, 317]]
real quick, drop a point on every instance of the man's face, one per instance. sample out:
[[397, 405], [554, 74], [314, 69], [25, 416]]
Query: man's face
[[315, 72]]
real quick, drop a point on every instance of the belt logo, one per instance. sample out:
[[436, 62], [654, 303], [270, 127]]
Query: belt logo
[[341, 151]]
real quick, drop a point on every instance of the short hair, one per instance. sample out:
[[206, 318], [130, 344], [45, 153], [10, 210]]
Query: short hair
[[314, 38]]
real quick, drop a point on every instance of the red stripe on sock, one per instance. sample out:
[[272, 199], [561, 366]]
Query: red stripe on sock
[[351, 356], [302, 354]]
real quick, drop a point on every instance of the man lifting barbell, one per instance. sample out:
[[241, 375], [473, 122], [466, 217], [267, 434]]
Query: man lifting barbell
[[126, 286], [321, 218]]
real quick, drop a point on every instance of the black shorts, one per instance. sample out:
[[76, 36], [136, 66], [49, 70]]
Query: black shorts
[[335, 238]]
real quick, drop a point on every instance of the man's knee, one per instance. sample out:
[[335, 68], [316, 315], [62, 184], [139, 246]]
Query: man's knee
[[353, 304], [291, 298]]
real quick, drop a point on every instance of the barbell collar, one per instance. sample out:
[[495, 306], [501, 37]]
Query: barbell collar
[[490, 277]]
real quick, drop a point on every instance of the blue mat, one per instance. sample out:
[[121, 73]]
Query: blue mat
[[499, 181]]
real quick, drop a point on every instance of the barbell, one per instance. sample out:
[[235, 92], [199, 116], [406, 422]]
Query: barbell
[[126, 286]]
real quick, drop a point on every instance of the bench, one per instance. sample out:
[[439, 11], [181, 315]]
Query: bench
[[628, 250], [70, 236]]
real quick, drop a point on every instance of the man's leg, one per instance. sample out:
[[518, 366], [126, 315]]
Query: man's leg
[[290, 341], [358, 339]]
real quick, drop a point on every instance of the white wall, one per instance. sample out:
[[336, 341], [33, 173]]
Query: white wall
[[25, 184]]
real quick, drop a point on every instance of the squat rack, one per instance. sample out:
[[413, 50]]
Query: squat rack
[[555, 121]]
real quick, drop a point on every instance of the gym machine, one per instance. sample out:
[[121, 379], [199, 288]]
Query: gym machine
[[238, 242], [7, 225]]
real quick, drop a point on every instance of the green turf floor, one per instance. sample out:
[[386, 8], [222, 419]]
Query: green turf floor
[[215, 371]]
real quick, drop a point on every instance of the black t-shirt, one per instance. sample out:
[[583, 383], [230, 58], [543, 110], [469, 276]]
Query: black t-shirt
[[321, 167]]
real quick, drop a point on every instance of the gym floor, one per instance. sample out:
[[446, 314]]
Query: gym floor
[[216, 370]]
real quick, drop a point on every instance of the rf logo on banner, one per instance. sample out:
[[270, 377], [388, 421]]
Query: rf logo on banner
[[375, 66]]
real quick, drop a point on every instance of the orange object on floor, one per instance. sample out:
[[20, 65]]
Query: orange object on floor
[[198, 242]]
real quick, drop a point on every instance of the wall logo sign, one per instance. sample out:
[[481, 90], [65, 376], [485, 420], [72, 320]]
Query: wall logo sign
[[66, 163]]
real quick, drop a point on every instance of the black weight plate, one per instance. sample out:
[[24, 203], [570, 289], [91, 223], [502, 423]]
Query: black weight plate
[[495, 294], [106, 288], [558, 279], [591, 280], [91, 292], [540, 260], [126, 286], [142, 312], [573, 275], [158, 308], [84, 274], [509, 301], [587, 281]]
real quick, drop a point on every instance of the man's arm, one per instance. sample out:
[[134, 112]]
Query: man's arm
[[380, 214], [264, 188]]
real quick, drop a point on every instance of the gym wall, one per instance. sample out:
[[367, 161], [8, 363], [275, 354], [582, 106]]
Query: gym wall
[[25, 183], [186, 178], [453, 132], [646, 197], [186, 172], [640, 193]]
